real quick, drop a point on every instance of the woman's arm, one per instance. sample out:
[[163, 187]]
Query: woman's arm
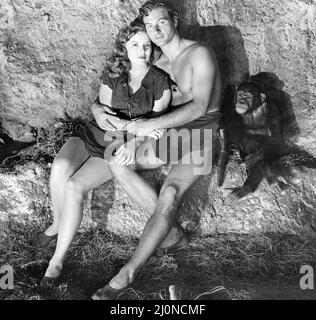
[[162, 104], [105, 95]]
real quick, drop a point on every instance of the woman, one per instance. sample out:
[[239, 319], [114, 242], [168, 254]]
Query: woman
[[131, 88]]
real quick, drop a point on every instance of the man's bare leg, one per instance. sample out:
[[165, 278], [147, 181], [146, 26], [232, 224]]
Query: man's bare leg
[[141, 192], [180, 178]]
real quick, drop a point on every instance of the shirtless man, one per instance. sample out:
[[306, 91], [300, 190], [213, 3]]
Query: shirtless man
[[193, 67]]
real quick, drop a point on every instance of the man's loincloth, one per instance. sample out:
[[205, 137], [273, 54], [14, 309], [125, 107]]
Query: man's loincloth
[[194, 143]]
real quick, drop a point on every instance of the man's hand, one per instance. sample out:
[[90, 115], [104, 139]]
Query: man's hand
[[143, 128]]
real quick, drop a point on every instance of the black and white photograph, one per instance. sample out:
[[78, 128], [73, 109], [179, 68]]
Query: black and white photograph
[[156, 151]]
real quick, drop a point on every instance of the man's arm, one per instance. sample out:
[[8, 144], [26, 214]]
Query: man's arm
[[126, 153], [203, 81], [103, 113], [103, 102]]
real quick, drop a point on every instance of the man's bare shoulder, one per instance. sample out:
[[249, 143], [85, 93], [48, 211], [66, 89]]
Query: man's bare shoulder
[[163, 63], [199, 50]]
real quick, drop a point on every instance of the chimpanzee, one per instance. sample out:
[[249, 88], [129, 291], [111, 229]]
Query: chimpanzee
[[255, 133]]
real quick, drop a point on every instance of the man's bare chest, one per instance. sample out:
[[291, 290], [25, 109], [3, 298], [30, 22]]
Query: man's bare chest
[[182, 75]]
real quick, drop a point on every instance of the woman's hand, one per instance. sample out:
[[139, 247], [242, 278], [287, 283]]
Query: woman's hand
[[156, 134], [125, 155]]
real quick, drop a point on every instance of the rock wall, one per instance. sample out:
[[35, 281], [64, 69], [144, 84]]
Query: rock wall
[[51, 58], [52, 52], [276, 36]]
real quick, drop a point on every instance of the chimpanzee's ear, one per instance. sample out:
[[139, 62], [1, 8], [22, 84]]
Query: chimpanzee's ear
[[263, 97]]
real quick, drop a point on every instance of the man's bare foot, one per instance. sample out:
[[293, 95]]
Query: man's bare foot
[[177, 237], [122, 279], [181, 242], [117, 285], [170, 248]]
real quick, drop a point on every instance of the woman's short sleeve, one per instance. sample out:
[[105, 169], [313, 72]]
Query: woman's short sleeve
[[162, 83], [107, 80]]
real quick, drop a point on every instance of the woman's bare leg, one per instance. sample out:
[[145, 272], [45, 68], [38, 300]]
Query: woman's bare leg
[[93, 173], [70, 157]]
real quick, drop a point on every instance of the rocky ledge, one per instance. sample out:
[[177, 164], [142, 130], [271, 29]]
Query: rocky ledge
[[24, 197]]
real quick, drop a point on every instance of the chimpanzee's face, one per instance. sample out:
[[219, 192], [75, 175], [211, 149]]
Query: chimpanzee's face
[[246, 100]]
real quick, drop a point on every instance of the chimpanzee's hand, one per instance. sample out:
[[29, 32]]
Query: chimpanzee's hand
[[254, 158], [278, 183]]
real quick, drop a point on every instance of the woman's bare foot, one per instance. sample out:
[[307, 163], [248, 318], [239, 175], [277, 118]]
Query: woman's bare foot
[[52, 230], [117, 285]]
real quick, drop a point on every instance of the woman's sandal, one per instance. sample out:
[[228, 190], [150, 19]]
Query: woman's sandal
[[108, 293], [43, 240], [48, 282]]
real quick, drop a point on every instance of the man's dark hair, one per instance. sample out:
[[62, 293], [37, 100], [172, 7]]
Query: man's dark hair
[[150, 5]]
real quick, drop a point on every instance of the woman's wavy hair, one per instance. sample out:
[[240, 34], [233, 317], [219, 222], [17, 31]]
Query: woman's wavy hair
[[118, 64]]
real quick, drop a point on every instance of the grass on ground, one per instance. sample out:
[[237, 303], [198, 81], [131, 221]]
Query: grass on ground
[[96, 256]]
